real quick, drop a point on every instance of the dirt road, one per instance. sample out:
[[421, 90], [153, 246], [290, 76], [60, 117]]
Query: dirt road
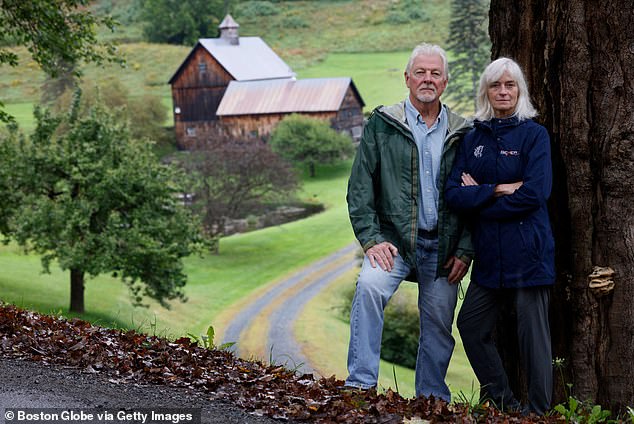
[[273, 314]]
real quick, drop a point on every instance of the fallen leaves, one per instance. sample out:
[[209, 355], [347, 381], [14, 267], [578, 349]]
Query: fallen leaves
[[131, 357]]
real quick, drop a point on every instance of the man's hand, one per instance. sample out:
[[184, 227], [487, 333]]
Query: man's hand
[[458, 270], [382, 254], [506, 189]]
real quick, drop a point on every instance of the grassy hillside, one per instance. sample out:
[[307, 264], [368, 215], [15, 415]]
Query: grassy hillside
[[377, 76], [303, 32], [359, 26], [316, 38]]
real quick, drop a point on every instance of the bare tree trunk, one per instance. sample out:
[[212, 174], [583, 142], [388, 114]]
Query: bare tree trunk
[[77, 291], [579, 61]]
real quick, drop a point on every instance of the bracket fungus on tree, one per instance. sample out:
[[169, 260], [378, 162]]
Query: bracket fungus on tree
[[600, 281]]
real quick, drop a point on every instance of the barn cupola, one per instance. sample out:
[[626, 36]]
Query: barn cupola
[[229, 30]]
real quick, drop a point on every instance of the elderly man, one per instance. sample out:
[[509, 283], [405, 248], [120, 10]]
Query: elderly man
[[400, 219]]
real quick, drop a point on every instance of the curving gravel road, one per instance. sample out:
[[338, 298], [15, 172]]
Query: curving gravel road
[[27, 384], [304, 285]]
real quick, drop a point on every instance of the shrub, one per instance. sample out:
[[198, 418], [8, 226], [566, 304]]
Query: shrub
[[397, 17], [231, 180], [399, 344], [406, 11], [307, 141], [294, 22], [256, 9], [400, 331]]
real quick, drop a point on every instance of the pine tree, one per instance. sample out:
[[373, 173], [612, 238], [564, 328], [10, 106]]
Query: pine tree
[[470, 45]]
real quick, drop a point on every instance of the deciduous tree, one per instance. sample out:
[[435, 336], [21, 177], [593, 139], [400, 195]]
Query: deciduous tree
[[579, 61], [182, 21], [59, 34], [307, 141], [98, 202], [232, 178], [145, 115]]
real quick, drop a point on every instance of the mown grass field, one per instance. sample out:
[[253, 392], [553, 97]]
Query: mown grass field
[[246, 262], [324, 334]]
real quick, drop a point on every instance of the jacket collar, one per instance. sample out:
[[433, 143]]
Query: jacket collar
[[494, 123], [395, 114]]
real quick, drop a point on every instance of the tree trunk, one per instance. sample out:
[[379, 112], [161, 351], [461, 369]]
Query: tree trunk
[[578, 57], [77, 291]]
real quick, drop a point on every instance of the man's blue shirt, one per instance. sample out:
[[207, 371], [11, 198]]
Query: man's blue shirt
[[430, 144]]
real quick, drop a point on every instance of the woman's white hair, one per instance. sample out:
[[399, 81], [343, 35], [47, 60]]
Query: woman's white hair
[[524, 108], [425, 49]]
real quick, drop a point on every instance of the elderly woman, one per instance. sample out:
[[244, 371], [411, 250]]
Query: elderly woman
[[501, 180]]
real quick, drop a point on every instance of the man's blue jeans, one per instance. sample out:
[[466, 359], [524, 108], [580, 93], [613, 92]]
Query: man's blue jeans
[[436, 303]]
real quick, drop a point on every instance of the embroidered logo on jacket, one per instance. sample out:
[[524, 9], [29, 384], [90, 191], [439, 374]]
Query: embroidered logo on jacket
[[509, 153], [477, 152]]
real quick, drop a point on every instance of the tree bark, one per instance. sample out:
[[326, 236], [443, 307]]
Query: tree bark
[[77, 291], [578, 57]]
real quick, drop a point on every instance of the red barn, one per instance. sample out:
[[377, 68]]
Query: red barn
[[236, 88]]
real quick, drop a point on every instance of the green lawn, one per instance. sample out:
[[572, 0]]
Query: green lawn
[[245, 263], [23, 114], [377, 76], [324, 335]]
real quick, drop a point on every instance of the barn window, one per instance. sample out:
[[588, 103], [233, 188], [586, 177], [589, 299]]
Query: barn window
[[356, 132], [202, 67], [190, 131]]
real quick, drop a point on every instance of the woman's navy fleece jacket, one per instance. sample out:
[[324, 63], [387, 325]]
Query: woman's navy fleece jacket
[[513, 242]]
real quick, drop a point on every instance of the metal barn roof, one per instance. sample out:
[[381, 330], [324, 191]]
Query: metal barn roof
[[284, 96], [251, 59]]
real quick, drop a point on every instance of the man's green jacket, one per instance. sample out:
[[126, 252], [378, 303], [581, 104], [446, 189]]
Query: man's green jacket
[[384, 187]]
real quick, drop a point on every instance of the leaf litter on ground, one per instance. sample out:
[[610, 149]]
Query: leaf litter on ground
[[132, 357]]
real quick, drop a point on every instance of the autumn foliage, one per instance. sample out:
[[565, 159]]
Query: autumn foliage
[[131, 357]]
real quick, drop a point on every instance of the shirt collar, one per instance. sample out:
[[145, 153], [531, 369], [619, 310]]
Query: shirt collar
[[410, 110]]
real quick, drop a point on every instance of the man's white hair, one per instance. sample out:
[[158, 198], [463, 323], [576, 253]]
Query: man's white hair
[[493, 72], [425, 49]]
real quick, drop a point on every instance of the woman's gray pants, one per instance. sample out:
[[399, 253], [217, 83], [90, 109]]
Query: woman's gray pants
[[476, 323]]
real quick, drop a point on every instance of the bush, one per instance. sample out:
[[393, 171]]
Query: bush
[[145, 116], [397, 17], [307, 141], [232, 180], [400, 331], [399, 344], [256, 9], [406, 11], [294, 22]]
